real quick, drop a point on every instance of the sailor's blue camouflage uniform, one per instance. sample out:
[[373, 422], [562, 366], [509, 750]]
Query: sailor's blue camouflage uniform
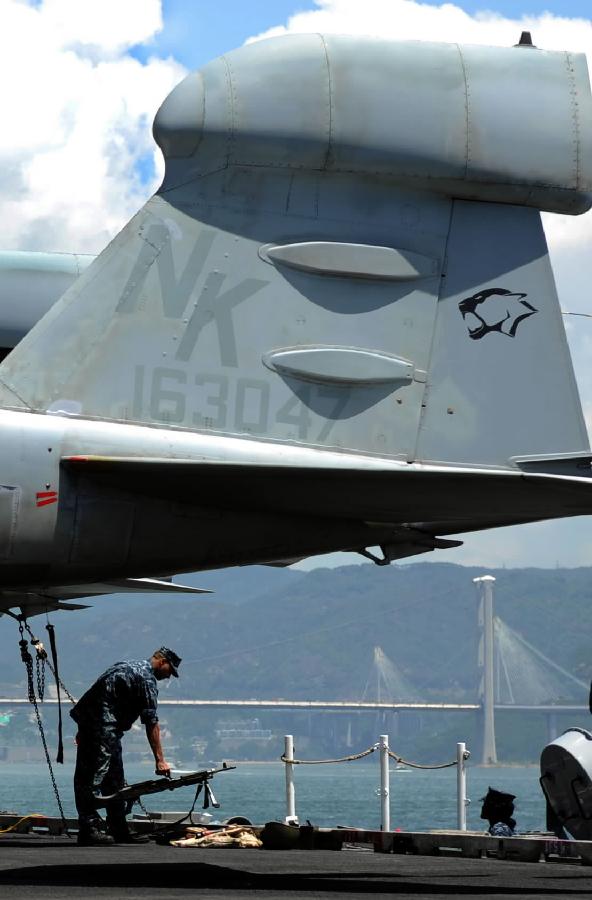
[[123, 693], [501, 829]]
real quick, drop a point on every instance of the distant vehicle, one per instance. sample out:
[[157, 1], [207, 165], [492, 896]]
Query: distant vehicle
[[333, 327]]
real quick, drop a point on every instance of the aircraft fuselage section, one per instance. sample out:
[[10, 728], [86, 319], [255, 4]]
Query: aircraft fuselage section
[[29, 491], [58, 526], [85, 501]]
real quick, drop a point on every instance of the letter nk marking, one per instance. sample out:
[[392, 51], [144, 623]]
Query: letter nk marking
[[214, 305]]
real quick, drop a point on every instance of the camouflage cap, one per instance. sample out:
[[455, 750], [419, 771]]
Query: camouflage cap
[[171, 657]]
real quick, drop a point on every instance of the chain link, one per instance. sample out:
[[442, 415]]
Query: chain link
[[28, 662], [40, 677], [43, 661], [60, 682], [42, 655], [40, 661], [145, 811]]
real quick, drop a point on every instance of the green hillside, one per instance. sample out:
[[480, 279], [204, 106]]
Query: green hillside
[[269, 633], [291, 634]]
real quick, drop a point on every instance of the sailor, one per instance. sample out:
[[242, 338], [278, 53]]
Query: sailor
[[126, 691], [497, 808]]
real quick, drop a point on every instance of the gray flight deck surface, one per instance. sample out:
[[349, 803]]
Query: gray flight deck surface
[[56, 868]]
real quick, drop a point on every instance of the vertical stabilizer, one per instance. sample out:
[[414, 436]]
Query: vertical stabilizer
[[334, 262], [500, 382]]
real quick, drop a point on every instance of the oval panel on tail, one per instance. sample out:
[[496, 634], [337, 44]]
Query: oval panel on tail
[[340, 365], [351, 260]]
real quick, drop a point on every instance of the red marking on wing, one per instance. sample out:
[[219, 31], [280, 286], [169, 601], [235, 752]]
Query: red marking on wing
[[44, 498]]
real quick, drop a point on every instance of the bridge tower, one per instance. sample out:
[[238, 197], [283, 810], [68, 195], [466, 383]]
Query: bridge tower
[[486, 690]]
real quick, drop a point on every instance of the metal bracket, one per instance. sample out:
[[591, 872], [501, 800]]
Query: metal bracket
[[384, 561]]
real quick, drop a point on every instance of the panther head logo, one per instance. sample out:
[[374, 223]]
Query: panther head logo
[[498, 310]]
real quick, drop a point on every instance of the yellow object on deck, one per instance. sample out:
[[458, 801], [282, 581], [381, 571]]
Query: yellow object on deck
[[15, 825]]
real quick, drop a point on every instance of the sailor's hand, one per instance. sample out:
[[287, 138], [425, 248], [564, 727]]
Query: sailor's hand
[[163, 768]]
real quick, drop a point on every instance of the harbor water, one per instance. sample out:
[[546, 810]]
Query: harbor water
[[328, 795]]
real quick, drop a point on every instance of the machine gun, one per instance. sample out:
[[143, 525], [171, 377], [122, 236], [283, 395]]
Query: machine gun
[[132, 792]]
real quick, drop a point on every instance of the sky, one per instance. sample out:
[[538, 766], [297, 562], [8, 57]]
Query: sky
[[82, 80]]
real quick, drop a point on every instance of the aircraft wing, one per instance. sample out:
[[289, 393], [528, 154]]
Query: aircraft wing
[[453, 499], [123, 586], [48, 599]]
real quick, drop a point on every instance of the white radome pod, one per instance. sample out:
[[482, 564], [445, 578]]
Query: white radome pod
[[566, 780], [493, 124]]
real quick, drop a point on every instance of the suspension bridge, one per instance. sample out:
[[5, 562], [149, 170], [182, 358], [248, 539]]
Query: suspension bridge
[[514, 676], [517, 676]]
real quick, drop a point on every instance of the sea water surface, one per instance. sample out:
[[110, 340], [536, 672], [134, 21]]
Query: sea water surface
[[327, 795]]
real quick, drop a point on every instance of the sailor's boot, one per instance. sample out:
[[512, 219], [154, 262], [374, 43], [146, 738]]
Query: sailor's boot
[[90, 836], [121, 833]]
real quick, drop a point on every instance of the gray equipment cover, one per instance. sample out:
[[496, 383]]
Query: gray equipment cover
[[486, 123]]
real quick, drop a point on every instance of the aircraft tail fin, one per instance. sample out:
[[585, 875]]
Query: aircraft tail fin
[[501, 387], [379, 285]]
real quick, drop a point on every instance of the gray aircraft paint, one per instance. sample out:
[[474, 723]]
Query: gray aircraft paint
[[333, 271], [30, 283], [174, 321], [157, 500], [183, 359], [508, 390]]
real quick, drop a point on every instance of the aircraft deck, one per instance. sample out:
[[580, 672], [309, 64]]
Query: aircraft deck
[[33, 865]]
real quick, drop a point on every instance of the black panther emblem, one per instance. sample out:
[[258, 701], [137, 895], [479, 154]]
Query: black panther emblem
[[499, 310]]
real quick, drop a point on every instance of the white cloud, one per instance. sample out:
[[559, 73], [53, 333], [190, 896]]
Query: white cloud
[[109, 26], [409, 20], [77, 116]]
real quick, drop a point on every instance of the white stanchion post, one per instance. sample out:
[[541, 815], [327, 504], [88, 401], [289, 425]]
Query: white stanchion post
[[290, 789], [385, 809], [461, 786]]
